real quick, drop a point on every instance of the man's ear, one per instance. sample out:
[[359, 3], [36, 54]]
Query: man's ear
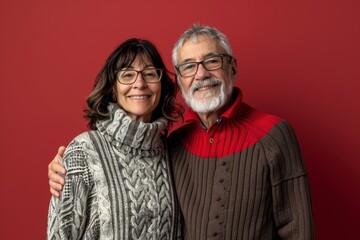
[[233, 69], [177, 79]]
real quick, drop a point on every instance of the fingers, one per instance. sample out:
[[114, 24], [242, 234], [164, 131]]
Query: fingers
[[54, 176], [60, 152], [56, 183], [55, 164], [55, 193], [55, 168]]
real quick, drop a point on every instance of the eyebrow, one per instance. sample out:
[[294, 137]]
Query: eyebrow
[[145, 66], [186, 60]]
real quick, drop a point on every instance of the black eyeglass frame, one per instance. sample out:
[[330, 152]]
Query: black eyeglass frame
[[202, 63], [137, 74]]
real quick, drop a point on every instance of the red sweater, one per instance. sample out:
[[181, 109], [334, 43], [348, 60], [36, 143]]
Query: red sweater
[[244, 178]]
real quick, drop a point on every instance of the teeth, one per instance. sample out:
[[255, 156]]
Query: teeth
[[138, 97], [205, 87]]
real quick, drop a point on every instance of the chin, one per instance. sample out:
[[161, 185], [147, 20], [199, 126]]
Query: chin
[[209, 104]]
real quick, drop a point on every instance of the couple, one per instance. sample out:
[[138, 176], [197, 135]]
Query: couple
[[232, 172]]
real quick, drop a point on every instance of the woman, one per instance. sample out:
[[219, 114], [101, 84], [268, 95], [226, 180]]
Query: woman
[[118, 183]]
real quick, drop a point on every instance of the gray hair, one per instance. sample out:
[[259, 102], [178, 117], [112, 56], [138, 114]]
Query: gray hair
[[193, 34]]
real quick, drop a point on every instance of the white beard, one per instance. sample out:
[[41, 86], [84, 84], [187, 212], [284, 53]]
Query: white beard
[[209, 101]]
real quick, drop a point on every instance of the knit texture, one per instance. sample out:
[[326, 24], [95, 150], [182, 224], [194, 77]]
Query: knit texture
[[118, 184], [244, 178]]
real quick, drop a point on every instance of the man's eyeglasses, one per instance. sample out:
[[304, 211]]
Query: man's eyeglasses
[[129, 76], [212, 63]]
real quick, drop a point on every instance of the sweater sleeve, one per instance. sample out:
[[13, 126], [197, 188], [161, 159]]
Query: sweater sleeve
[[290, 185], [69, 216]]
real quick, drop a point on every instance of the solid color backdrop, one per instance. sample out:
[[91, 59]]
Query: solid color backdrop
[[296, 59]]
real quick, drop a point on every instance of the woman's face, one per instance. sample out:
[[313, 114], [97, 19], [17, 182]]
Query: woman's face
[[140, 98]]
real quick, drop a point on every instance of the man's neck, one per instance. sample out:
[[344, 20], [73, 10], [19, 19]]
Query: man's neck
[[209, 118]]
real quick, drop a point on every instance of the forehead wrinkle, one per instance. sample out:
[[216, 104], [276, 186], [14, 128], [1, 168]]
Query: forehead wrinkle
[[210, 54], [213, 47]]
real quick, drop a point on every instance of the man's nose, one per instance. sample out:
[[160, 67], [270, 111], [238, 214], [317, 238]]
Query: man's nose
[[201, 73]]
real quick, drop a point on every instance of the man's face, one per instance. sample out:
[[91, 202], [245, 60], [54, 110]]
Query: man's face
[[206, 91]]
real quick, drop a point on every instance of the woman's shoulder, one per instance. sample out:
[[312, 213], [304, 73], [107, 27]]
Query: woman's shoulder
[[82, 138], [86, 139], [79, 148]]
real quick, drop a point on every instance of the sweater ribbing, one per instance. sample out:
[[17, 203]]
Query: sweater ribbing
[[244, 178], [118, 184]]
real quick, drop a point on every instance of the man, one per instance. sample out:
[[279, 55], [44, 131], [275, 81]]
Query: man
[[238, 172]]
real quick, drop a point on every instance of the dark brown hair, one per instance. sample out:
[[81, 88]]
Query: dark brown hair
[[122, 57]]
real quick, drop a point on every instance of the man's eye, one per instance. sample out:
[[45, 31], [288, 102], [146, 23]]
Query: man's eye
[[212, 61], [188, 67]]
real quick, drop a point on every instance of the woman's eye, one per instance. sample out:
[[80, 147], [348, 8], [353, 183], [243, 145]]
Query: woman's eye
[[150, 74], [128, 75]]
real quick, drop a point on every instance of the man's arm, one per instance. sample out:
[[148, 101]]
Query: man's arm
[[292, 205], [55, 168]]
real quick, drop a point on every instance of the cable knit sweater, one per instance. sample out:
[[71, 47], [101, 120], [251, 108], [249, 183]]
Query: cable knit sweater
[[118, 184], [244, 178]]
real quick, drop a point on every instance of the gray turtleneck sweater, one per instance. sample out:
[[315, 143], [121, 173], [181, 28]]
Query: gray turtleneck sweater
[[118, 184]]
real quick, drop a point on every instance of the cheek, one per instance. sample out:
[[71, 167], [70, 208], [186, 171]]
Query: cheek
[[121, 91], [184, 84], [226, 77], [157, 91]]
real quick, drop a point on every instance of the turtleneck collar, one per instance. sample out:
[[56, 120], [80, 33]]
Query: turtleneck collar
[[123, 131]]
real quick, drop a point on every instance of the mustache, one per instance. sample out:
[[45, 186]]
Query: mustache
[[204, 83]]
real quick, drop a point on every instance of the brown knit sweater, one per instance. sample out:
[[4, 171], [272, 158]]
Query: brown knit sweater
[[244, 178]]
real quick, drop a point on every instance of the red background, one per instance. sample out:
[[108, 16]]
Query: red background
[[296, 59]]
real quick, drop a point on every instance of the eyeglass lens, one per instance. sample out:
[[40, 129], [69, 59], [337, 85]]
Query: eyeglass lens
[[150, 75], [210, 64]]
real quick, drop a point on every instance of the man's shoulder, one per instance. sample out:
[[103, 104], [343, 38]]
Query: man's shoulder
[[180, 132], [256, 120]]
